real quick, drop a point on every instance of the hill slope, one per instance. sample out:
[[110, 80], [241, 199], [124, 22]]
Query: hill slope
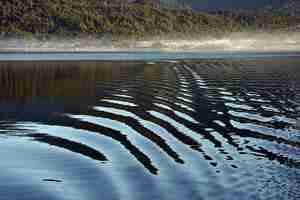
[[121, 19], [208, 5]]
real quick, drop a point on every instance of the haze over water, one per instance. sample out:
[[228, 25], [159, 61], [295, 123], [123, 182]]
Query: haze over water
[[151, 129], [287, 41]]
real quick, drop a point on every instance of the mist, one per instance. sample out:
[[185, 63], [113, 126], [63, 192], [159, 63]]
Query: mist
[[237, 42]]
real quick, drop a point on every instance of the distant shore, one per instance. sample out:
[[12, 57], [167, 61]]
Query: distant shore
[[83, 18]]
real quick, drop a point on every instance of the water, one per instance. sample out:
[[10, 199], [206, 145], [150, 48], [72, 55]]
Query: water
[[149, 56], [187, 129]]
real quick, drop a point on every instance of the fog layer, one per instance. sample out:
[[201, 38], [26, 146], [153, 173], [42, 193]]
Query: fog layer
[[243, 42]]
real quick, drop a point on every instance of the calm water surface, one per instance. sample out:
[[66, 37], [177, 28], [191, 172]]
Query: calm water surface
[[201, 129]]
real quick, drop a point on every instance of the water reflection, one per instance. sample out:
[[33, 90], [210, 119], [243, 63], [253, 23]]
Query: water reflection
[[168, 119], [69, 145]]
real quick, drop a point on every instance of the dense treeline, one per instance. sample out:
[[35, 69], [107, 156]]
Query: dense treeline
[[258, 19], [119, 19]]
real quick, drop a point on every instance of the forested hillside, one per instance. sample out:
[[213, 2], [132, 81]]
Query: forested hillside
[[129, 18]]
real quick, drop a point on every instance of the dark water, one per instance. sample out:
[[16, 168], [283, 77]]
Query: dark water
[[205, 129]]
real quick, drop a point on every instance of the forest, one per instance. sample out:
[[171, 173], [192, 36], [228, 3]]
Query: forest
[[130, 19]]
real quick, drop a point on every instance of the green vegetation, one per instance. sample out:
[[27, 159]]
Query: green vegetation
[[40, 18]]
